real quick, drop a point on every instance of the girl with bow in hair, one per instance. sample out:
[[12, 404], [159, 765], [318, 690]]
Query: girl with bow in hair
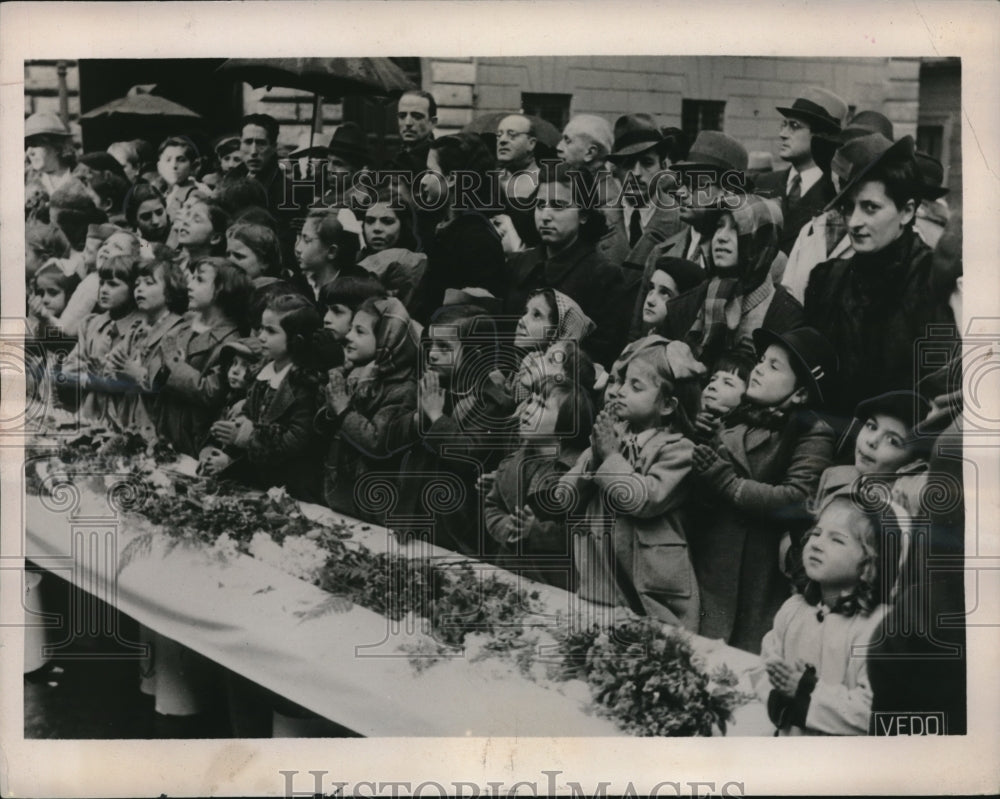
[[816, 669], [630, 487]]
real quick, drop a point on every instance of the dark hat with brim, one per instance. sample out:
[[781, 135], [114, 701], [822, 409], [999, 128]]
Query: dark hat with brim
[[860, 156], [821, 109], [686, 274], [714, 151], [932, 175], [907, 406], [813, 357], [824, 145], [636, 134], [348, 141]]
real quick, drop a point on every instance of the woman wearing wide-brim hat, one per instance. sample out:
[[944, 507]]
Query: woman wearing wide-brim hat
[[876, 305], [48, 145]]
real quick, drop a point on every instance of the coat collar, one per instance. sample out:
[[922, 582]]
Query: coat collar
[[211, 338]]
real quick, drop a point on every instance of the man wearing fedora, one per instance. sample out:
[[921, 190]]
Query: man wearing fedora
[[345, 156], [642, 155], [715, 166], [803, 188]]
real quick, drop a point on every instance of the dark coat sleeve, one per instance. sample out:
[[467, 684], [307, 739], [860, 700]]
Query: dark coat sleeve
[[288, 436], [812, 453]]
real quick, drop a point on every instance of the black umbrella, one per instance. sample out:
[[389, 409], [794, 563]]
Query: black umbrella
[[324, 77]]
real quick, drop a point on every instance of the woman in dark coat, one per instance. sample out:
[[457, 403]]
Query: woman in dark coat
[[875, 306], [464, 249], [722, 313], [568, 261]]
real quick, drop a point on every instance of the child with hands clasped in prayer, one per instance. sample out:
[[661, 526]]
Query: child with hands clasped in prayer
[[160, 297], [460, 430], [364, 399], [754, 481], [86, 365], [814, 656], [238, 363], [192, 391], [633, 482], [274, 435], [521, 511]]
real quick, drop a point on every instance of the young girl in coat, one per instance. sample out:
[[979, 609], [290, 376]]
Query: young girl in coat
[[50, 290], [238, 364], [814, 656], [364, 398], [274, 436], [755, 480], [521, 510], [161, 298], [631, 548], [192, 391], [460, 430], [549, 316], [391, 249], [339, 300], [86, 366]]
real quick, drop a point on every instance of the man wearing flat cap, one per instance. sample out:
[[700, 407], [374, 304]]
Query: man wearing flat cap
[[803, 188]]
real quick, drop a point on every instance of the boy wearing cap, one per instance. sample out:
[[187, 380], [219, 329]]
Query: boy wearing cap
[[755, 480], [803, 188]]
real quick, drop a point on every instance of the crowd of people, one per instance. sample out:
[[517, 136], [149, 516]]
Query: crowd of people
[[628, 365]]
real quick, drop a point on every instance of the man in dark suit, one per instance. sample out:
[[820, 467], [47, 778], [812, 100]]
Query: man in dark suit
[[416, 115], [803, 188], [641, 155]]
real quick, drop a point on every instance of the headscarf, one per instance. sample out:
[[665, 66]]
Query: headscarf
[[728, 299], [572, 324], [396, 349]]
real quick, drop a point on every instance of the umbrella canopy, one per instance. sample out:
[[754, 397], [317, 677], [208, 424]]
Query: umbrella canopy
[[141, 102], [327, 77], [546, 133]]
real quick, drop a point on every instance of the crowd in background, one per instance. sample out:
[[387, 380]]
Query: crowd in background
[[628, 365]]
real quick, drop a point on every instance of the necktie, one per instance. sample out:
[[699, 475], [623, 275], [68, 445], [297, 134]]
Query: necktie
[[634, 228], [795, 189], [630, 450]]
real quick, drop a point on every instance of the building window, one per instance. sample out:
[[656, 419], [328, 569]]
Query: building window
[[930, 139], [698, 115], [552, 108]]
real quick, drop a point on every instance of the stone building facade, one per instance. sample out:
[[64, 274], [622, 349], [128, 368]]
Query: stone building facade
[[737, 94]]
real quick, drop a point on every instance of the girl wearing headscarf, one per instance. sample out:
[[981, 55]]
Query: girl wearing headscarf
[[376, 387], [740, 295], [549, 316]]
